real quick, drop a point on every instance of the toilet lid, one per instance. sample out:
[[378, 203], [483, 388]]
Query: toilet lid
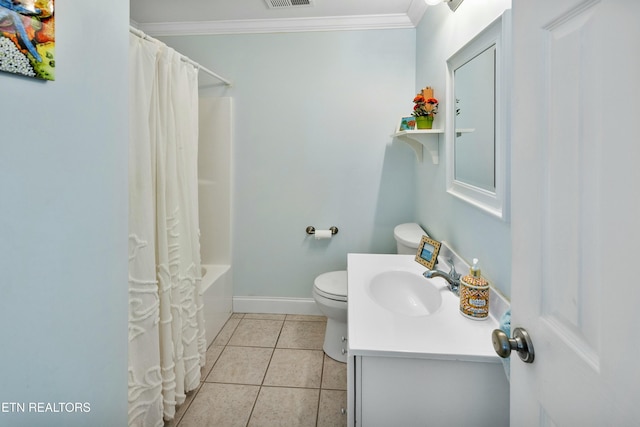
[[332, 285], [409, 234]]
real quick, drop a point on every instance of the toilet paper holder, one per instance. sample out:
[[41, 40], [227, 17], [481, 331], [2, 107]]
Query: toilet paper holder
[[312, 230]]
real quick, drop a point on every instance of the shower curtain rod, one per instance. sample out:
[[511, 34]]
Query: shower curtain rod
[[145, 36]]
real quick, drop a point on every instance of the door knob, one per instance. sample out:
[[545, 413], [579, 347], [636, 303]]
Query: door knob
[[521, 342]]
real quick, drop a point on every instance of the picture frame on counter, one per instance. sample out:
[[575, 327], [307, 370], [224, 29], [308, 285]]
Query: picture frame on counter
[[428, 250]]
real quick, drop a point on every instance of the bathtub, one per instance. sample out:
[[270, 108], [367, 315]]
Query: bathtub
[[217, 296]]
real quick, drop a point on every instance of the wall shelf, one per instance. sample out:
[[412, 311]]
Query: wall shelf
[[423, 138], [420, 139]]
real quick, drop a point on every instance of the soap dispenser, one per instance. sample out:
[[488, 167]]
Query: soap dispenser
[[474, 294]]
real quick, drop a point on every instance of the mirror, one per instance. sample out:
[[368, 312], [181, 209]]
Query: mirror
[[477, 120], [474, 146]]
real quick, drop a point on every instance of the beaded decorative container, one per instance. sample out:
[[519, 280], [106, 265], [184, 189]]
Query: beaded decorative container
[[474, 297]]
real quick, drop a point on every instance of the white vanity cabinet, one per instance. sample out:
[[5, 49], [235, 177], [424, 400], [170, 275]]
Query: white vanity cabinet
[[435, 370], [407, 392]]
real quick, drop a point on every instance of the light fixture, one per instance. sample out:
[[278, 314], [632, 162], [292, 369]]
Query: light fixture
[[453, 4]]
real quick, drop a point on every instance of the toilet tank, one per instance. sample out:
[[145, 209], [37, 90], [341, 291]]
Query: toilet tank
[[408, 237]]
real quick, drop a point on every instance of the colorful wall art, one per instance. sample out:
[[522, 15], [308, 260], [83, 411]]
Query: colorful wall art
[[27, 38]]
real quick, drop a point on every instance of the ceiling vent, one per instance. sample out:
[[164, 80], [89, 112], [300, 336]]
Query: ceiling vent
[[278, 4]]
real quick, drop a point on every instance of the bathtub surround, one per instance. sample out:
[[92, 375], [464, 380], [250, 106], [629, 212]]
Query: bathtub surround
[[217, 294], [166, 324], [214, 206]]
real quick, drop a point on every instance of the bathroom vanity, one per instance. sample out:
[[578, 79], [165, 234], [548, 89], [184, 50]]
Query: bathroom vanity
[[414, 360]]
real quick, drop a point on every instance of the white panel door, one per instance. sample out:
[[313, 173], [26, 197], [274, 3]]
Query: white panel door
[[576, 210]]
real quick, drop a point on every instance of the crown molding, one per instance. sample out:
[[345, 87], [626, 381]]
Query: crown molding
[[249, 26], [416, 11]]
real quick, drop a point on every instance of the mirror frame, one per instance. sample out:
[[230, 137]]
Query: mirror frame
[[497, 33]]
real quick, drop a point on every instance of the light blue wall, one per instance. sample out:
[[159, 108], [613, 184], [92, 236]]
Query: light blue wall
[[63, 210], [313, 115], [471, 232]]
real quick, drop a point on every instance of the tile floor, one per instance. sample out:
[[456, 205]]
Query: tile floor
[[268, 370]]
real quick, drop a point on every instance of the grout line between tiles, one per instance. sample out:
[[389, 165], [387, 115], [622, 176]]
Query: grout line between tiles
[[202, 379], [264, 375], [320, 391], [196, 391]]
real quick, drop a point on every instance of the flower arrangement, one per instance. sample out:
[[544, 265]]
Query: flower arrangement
[[425, 104], [425, 108]]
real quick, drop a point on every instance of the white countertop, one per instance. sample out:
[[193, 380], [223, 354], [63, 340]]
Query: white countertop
[[376, 331]]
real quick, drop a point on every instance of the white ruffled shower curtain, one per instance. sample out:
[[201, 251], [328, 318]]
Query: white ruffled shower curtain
[[167, 344]]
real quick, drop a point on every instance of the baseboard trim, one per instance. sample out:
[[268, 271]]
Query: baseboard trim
[[275, 305]]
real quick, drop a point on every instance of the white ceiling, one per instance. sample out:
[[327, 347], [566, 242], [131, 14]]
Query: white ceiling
[[146, 11], [224, 16]]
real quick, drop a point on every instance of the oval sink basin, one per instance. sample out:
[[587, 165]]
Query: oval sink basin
[[405, 293]]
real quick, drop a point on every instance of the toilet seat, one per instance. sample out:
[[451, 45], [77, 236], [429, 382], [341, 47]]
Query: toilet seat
[[332, 285]]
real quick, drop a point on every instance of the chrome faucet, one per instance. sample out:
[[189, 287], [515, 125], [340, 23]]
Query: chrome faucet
[[452, 278]]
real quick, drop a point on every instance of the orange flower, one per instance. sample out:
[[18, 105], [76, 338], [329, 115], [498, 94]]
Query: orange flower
[[425, 106]]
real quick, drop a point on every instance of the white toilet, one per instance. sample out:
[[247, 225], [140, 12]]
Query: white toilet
[[408, 237], [330, 293]]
